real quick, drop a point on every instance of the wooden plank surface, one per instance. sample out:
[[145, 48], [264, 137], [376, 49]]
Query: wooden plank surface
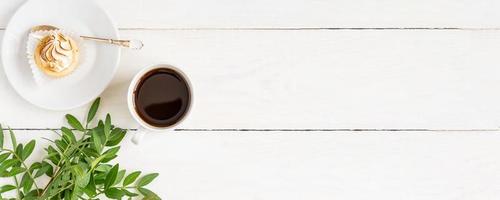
[[294, 13], [259, 67], [328, 165], [311, 80]]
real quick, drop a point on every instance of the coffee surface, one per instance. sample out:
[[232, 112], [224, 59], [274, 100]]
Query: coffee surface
[[162, 97]]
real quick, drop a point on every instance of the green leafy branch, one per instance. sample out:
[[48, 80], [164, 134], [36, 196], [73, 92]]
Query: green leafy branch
[[77, 164]]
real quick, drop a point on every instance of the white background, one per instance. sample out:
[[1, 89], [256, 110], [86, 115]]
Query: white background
[[309, 99]]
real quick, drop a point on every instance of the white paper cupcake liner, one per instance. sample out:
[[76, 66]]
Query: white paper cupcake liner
[[33, 40]]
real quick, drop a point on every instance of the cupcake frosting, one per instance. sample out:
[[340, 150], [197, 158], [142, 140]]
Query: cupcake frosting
[[57, 51]]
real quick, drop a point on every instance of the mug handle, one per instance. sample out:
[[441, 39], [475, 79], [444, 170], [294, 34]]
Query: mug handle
[[139, 135]]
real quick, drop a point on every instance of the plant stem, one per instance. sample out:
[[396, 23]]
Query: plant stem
[[25, 166], [17, 188], [53, 177], [62, 189], [51, 180], [59, 167]]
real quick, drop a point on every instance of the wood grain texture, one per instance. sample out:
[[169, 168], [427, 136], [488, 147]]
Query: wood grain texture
[[311, 79], [317, 79], [414, 166], [293, 13]]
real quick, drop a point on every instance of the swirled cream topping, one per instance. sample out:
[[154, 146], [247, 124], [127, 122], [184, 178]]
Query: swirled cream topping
[[57, 51]]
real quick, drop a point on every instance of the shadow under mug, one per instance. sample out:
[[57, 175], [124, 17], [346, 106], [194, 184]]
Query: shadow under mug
[[144, 126]]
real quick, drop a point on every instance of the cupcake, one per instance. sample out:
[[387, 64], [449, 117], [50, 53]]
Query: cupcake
[[56, 54]]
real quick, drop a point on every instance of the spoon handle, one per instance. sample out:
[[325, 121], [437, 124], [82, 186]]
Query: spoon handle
[[133, 44]]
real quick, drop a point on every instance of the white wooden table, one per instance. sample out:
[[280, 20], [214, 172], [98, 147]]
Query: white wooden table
[[310, 99]]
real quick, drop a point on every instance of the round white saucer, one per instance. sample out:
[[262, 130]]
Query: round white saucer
[[94, 73]]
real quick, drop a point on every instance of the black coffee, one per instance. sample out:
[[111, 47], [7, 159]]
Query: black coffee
[[162, 97]]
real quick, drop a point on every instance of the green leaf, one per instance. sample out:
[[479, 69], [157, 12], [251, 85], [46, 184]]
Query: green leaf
[[93, 110], [107, 159], [100, 124], [103, 168], [111, 152], [12, 138], [4, 156], [73, 122], [107, 125], [19, 150], [33, 194], [67, 195], [26, 182], [53, 155], [6, 188], [111, 177], [114, 193], [130, 194], [97, 141], [148, 194], [90, 189], [28, 149], [77, 170], [68, 135], [145, 180], [61, 145], [131, 178], [90, 152], [100, 178], [1, 136], [83, 181], [8, 163], [119, 177], [76, 193], [116, 137], [45, 168], [35, 165], [14, 171]]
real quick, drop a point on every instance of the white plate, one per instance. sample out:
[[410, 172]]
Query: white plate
[[84, 17]]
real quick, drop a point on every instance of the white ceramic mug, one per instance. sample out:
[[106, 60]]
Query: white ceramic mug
[[144, 127]]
